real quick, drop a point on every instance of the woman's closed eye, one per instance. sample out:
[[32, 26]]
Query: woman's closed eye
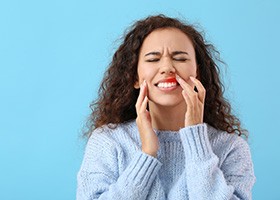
[[180, 59], [176, 59], [153, 60]]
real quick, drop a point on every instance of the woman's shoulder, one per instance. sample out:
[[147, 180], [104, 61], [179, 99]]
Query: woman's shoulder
[[224, 142], [223, 136], [114, 133], [113, 129], [106, 145]]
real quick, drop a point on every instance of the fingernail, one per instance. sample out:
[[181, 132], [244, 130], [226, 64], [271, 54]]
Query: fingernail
[[144, 83]]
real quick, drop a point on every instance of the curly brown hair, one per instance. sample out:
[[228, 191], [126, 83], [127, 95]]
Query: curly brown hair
[[117, 95]]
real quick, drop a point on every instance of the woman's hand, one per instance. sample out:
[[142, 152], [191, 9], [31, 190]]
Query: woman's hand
[[147, 135], [194, 100]]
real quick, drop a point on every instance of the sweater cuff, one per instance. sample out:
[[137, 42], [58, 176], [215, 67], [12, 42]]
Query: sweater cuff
[[196, 142], [142, 170]]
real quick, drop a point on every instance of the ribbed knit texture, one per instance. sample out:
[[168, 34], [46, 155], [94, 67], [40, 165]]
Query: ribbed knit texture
[[196, 163]]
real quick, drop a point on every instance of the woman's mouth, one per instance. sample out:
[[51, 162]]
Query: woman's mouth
[[167, 84]]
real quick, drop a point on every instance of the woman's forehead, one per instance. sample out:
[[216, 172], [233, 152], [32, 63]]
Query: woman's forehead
[[167, 39]]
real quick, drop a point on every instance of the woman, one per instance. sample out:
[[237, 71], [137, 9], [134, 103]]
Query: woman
[[161, 128]]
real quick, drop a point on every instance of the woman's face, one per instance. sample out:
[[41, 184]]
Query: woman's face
[[163, 54]]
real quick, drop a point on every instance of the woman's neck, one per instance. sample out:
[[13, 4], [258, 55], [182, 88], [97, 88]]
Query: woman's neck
[[167, 118]]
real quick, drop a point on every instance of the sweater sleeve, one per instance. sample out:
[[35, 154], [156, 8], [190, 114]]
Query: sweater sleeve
[[204, 179], [99, 178]]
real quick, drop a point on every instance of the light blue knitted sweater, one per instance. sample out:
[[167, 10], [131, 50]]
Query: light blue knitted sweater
[[197, 163]]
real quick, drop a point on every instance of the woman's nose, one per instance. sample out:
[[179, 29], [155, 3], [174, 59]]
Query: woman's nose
[[167, 67]]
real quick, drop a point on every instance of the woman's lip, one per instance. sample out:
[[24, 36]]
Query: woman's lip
[[167, 89], [168, 80]]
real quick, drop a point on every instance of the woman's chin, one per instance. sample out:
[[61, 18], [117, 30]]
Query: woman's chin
[[166, 102]]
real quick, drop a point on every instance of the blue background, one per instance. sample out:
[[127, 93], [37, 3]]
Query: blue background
[[53, 55]]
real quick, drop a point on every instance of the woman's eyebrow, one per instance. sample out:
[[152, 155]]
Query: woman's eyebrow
[[174, 53], [153, 53]]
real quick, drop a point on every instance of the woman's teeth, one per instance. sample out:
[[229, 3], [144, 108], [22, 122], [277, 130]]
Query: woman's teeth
[[166, 85]]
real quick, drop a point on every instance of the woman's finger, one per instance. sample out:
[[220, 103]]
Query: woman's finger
[[187, 99], [141, 97], [200, 88], [188, 89], [183, 83], [143, 107]]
